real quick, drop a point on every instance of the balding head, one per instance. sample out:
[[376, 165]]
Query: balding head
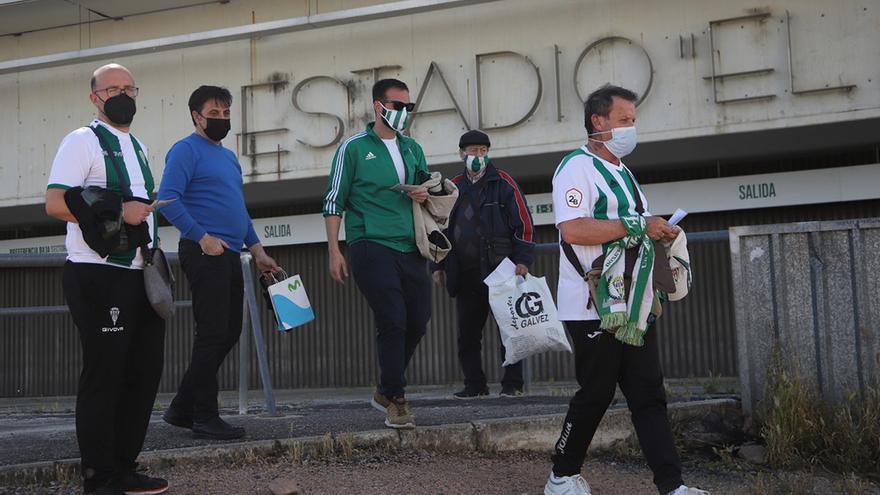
[[109, 83], [110, 71]]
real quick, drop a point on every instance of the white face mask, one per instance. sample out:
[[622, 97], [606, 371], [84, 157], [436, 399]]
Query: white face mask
[[623, 141], [396, 119]]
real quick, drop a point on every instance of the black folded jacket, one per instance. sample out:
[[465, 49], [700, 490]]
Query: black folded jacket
[[99, 214]]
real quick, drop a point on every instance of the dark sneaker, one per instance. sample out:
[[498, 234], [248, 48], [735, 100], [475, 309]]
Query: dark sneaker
[[471, 393], [510, 391], [134, 483], [174, 417], [216, 429]]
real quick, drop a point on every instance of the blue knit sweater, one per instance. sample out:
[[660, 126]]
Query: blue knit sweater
[[206, 179]]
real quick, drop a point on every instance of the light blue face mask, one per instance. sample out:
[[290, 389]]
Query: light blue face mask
[[623, 141], [476, 164]]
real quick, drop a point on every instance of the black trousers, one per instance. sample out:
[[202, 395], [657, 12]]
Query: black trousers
[[472, 303], [601, 363], [217, 288], [398, 289], [123, 343]]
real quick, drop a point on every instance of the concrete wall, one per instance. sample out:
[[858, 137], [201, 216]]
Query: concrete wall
[[813, 290], [667, 56]]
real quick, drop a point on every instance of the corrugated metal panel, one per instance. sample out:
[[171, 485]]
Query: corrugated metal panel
[[40, 355], [808, 292]]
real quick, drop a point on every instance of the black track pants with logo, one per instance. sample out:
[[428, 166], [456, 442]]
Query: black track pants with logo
[[122, 344], [472, 304], [398, 289], [217, 290], [601, 363]]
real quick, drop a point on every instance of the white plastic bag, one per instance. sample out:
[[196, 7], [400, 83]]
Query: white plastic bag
[[526, 315]]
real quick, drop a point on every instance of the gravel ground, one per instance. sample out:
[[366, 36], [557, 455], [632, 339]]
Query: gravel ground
[[418, 472]]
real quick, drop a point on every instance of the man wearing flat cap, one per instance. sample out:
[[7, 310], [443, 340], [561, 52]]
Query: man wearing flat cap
[[490, 221]]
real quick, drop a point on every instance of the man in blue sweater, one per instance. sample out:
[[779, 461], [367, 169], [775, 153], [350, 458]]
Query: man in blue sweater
[[205, 180]]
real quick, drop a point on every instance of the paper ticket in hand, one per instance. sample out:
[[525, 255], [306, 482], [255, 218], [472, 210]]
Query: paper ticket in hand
[[162, 202], [677, 216]]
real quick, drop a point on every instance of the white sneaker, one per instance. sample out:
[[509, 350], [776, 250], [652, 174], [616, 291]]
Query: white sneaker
[[566, 485], [684, 490]]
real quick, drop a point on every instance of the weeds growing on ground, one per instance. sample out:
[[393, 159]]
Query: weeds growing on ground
[[803, 431]]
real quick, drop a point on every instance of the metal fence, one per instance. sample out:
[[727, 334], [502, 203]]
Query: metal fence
[[809, 292], [40, 353]]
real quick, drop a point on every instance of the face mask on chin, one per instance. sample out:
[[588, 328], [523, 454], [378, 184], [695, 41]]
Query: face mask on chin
[[623, 141], [396, 119], [120, 109]]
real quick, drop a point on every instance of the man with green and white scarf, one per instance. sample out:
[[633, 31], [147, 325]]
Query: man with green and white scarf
[[600, 211]]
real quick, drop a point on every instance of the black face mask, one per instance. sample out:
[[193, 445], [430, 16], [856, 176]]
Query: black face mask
[[120, 109], [217, 129]]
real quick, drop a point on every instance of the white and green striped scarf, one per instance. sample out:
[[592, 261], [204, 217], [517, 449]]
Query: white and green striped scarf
[[624, 314]]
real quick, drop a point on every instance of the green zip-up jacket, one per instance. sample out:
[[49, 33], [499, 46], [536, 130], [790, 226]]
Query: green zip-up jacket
[[360, 182]]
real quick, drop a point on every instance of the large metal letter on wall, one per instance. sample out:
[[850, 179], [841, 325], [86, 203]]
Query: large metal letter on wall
[[596, 46], [538, 92], [340, 124], [432, 68]]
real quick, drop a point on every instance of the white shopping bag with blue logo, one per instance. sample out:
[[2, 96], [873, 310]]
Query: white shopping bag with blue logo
[[290, 302]]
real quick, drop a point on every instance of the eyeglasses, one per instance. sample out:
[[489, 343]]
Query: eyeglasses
[[115, 91], [399, 105]]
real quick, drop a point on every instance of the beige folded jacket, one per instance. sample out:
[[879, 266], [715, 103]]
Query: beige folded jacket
[[433, 216]]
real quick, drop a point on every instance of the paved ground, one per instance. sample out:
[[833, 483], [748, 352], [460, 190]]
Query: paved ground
[[33, 430]]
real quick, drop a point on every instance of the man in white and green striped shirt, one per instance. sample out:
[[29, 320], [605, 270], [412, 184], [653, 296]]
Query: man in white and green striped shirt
[[122, 337], [601, 210]]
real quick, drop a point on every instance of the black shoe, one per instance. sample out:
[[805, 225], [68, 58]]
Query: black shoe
[[216, 429], [471, 393], [511, 391], [134, 483], [107, 489], [176, 418]]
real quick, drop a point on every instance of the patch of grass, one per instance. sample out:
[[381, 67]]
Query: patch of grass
[[294, 453], [326, 447], [712, 384], [803, 431], [345, 443]]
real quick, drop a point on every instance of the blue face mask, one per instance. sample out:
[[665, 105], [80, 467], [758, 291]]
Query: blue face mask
[[476, 164]]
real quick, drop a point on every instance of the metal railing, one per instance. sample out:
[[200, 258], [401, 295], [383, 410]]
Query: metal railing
[[250, 318], [251, 323]]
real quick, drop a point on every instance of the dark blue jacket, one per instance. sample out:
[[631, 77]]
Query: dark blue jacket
[[505, 221]]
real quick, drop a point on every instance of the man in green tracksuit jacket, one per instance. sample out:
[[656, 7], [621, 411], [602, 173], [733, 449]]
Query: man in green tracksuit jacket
[[385, 262]]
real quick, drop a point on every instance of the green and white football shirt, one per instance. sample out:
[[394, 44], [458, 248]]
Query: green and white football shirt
[[586, 186], [80, 162]]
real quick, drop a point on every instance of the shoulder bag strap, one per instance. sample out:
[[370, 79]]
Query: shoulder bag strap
[[123, 181]]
